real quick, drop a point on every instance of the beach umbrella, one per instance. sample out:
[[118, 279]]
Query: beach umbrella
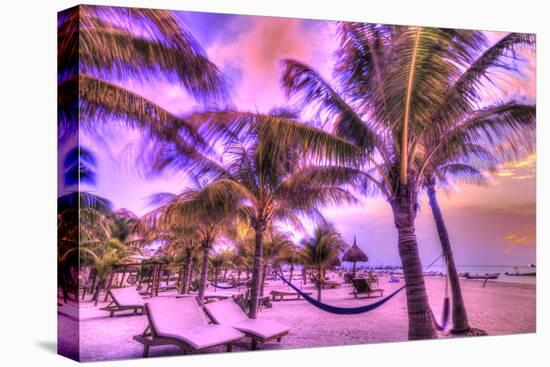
[[355, 254]]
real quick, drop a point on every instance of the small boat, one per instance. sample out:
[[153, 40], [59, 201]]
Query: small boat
[[532, 266], [518, 274], [481, 276]]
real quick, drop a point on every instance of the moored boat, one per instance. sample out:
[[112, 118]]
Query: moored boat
[[518, 274], [481, 276]]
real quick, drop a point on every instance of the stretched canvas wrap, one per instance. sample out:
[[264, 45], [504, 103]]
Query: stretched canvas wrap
[[231, 183]]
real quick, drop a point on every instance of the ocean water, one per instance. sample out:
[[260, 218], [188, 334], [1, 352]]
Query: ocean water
[[482, 270], [489, 269], [473, 269]]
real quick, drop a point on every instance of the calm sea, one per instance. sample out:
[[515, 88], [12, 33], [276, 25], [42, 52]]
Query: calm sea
[[486, 269]]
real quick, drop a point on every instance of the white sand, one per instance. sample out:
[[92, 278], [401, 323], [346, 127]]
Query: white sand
[[498, 309]]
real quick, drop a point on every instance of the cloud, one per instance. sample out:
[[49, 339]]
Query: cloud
[[525, 237], [260, 47]]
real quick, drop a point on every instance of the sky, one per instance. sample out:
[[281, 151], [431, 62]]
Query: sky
[[492, 225]]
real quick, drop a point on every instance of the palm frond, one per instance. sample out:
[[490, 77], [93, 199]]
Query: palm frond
[[300, 79], [230, 125]]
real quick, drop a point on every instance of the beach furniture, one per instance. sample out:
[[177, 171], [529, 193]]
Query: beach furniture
[[325, 283], [229, 313], [124, 299], [211, 296], [372, 278], [282, 295], [362, 286], [180, 322]]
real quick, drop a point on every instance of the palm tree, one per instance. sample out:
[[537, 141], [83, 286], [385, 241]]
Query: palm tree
[[81, 215], [269, 173], [441, 170], [99, 49], [277, 247], [405, 93], [211, 209], [320, 250]]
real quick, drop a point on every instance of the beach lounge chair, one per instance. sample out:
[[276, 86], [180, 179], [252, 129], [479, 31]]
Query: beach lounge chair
[[229, 313], [362, 286], [325, 283], [281, 295], [181, 322], [124, 299], [212, 296], [329, 283]]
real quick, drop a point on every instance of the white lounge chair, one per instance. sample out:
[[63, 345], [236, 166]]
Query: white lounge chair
[[124, 299], [228, 312], [180, 322], [211, 296]]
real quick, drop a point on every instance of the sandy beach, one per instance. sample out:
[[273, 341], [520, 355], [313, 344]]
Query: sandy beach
[[498, 308]]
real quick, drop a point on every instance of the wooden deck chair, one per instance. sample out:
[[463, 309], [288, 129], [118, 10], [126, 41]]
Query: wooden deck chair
[[124, 299], [180, 322], [362, 286], [229, 313]]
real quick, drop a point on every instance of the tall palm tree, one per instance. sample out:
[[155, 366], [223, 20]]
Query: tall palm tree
[[320, 250], [400, 90], [269, 174], [469, 167]]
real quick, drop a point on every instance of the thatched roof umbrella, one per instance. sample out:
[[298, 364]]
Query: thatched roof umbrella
[[355, 254]]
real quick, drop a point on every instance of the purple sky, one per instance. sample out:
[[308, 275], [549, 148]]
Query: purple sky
[[488, 225]]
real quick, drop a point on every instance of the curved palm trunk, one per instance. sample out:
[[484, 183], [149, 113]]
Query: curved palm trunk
[[204, 273], [460, 316], [421, 323], [256, 271]]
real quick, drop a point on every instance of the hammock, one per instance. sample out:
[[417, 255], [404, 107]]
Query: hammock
[[357, 310], [446, 308], [340, 310], [226, 286], [445, 316]]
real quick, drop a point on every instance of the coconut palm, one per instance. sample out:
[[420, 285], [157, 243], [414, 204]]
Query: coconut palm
[[211, 209], [100, 49], [268, 171], [81, 215], [442, 170], [402, 95], [320, 249], [277, 247], [180, 240]]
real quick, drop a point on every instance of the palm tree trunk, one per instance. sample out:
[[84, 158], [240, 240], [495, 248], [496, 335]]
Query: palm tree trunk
[[256, 270], [421, 323], [264, 271], [186, 272], [460, 316], [188, 276], [204, 272], [319, 277]]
